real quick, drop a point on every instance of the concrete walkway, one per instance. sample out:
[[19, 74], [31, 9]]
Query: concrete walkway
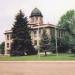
[[37, 68]]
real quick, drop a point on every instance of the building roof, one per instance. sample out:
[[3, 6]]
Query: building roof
[[36, 12], [34, 26], [43, 26], [8, 31]]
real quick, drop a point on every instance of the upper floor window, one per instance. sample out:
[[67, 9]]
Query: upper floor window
[[39, 31], [32, 20], [35, 33], [7, 36], [36, 18]]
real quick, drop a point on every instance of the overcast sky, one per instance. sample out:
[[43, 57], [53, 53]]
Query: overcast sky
[[52, 10]]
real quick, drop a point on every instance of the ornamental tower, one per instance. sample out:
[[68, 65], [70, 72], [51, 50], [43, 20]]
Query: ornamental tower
[[36, 17]]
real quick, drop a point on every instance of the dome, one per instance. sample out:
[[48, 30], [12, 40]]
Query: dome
[[36, 12]]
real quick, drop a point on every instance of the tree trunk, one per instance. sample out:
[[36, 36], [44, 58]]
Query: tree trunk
[[45, 53]]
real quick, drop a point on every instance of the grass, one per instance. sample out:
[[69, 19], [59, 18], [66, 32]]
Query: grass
[[51, 57]]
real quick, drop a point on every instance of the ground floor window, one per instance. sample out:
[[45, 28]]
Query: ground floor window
[[8, 51], [35, 42], [7, 45]]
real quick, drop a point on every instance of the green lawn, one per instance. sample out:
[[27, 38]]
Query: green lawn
[[36, 57]]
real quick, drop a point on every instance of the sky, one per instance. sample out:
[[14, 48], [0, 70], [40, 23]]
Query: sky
[[52, 10]]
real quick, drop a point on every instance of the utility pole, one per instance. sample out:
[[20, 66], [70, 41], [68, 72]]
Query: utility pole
[[56, 40]]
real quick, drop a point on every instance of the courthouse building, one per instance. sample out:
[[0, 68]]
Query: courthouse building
[[36, 23]]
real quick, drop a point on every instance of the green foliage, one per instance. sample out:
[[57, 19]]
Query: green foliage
[[66, 17], [53, 43], [21, 37], [2, 48], [45, 42], [64, 44], [67, 22]]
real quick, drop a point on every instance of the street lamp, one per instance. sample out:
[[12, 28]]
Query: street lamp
[[56, 40], [38, 42]]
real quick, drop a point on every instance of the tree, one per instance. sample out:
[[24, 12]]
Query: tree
[[53, 44], [21, 37], [2, 48], [45, 42], [53, 41], [67, 21], [65, 43]]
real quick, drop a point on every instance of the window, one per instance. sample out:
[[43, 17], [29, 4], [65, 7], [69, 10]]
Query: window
[[39, 31], [8, 51], [35, 33], [7, 36], [36, 18], [10, 36], [35, 42], [7, 45], [32, 19]]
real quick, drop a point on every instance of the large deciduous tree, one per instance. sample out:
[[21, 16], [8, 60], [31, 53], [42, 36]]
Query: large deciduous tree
[[67, 21], [21, 43]]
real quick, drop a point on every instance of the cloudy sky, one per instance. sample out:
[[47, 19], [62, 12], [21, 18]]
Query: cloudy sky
[[52, 10]]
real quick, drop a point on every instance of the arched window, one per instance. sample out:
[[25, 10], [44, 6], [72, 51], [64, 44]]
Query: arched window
[[35, 33], [7, 45], [32, 19], [36, 18], [7, 36]]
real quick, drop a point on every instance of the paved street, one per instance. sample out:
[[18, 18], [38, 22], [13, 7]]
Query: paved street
[[37, 68]]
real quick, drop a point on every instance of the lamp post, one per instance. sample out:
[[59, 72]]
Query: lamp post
[[56, 40], [38, 43]]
